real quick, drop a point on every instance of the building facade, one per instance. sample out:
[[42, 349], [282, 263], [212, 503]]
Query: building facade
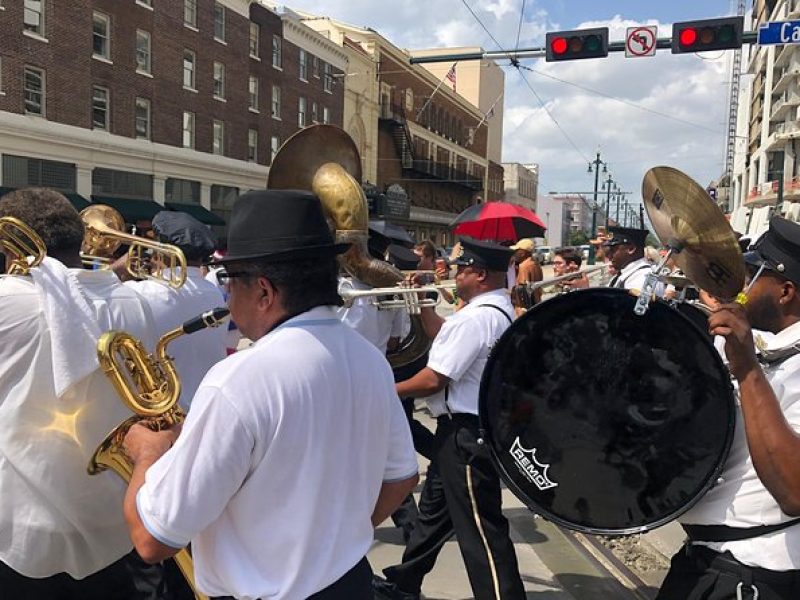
[[431, 143], [521, 184], [142, 104], [767, 181]]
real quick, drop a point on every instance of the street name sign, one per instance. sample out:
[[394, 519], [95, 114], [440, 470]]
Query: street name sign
[[779, 32]]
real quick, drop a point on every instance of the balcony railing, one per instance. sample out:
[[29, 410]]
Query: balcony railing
[[448, 173]]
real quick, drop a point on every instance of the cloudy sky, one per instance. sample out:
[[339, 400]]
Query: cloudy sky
[[669, 109]]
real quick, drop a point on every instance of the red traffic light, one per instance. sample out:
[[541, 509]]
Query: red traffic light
[[572, 45], [708, 34]]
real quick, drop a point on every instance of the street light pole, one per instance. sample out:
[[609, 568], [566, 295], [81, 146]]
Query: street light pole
[[596, 162], [607, 184]]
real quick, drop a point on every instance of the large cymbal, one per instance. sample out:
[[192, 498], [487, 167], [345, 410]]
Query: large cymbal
[[684, 215]]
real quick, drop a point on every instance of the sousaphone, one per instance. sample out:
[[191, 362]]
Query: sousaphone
[[324, 160]]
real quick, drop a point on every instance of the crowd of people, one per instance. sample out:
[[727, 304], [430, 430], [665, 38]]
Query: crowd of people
[[295, 449]]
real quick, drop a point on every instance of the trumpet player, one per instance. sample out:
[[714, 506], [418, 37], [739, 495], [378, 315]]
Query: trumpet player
[[566, 261], [172, 306], [62, 534]]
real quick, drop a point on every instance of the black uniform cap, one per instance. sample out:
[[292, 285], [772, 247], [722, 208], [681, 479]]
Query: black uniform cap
[[779, 249], [484, 254], [627, 235]]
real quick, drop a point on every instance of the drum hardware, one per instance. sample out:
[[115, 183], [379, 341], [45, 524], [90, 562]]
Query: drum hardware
[[104, 235], [647, 293], [149, 385], [685, 218], [324, 159], [25, 246]]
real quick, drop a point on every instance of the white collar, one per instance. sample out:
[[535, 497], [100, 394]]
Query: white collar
[[633, 266], [486, 296], [318, 315], [783, 344]]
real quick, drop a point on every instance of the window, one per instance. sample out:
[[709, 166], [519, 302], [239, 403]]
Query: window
[[143, 118], [314, 112], [301, 112], [22, 172], [1, 76], [223, 199], [125, 184], [190, 13], [326, 115], [255, 35], [276, 102], [100, 108], [101, 35], [188, 129], [276, 51], [253, 90], [186, 191], [34, 16], [327, 82], [219, 80], [274, 145], [219, 22], [148, 3], [142, 51], [252, 145], [218, 146], [303, 65], [315, 67], [189, 58], [33, 87]]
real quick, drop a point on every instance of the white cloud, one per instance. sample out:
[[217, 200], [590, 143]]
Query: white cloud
[[685, 87]]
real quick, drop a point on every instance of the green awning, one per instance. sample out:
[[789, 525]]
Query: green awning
[[78, 201], [132, 210], [199, 212]]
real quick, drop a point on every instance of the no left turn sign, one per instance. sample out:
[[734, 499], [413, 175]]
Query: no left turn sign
[[640, 41]]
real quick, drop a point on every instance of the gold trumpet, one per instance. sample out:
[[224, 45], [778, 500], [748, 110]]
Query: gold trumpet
[[104, 234], [149, 385], [24, 245]]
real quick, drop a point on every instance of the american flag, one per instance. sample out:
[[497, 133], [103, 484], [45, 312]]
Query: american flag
[[451, 76]]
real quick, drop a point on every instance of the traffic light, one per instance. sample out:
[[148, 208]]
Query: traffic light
[[709, 34], [581, 43]]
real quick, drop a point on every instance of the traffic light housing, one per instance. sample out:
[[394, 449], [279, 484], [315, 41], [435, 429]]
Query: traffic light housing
[[709, 34], [580, 43]]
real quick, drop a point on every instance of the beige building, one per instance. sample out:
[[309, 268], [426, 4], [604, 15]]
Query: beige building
[[521, 183]]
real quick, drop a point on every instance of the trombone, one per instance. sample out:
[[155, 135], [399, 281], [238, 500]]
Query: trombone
[[25, 246], [535, 285], [394, 298], [104, 234]]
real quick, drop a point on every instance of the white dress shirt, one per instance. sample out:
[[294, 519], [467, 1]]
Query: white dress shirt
[[194, 354], [633, 275], [375, 324], [279, 464], [55, 517], [739, 499], [461, 348]]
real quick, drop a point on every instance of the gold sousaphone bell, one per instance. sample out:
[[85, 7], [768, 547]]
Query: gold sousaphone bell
[[323, 159]]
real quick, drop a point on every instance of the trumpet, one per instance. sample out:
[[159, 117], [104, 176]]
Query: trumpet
[[535, 285], [394, 298], [104, 234], [149, 385], [24, 245]]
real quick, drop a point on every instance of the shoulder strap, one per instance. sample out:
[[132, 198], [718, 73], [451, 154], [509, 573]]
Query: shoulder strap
[[724, 533], [504, 313]]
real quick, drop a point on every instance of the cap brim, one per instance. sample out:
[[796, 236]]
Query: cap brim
[[294, 253]]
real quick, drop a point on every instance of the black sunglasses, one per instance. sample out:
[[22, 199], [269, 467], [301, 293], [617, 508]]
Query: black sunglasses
[[224, 277]]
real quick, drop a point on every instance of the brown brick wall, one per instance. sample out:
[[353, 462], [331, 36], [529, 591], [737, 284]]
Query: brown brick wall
[[71, 71]]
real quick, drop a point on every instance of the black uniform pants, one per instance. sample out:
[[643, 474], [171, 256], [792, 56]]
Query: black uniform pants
[[462, 495], [699, 573], [130, 578]]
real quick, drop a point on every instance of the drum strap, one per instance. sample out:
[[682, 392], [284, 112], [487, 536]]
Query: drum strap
[[447, 388], [724, 533]]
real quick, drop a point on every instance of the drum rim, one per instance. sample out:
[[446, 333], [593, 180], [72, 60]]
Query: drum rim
[[486, 433]]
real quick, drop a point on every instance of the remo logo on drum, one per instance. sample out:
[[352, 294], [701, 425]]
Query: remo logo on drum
[[532, 469]]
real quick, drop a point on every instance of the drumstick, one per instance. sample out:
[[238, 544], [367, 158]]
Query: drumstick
[[741, 297]]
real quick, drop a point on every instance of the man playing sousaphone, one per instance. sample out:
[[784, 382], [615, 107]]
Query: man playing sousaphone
[[295, 448], [62, 534], [743, 541]]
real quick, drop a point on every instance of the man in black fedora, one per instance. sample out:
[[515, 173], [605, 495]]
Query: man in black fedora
[[294, 448], [744, 537]]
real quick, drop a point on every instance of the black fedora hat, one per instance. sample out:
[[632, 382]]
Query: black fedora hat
[[278, 225]]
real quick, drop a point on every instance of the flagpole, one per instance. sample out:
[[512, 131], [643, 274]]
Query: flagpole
[[428, 101]]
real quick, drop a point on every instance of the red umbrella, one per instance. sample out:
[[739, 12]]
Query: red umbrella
[[499, 221]]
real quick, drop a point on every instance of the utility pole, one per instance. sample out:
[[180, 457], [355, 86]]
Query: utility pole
[[607, 184], [596, 162]]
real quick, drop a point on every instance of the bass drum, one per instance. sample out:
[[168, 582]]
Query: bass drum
[[603, 421]]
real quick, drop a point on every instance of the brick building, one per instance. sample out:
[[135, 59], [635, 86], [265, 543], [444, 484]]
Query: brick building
[[141, 103], [432, 153]]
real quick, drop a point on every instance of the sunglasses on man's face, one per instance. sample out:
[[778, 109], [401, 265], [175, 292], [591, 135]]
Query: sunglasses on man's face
[[224, 277]]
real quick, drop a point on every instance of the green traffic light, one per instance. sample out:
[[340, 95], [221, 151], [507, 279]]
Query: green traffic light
[[592, 43], [725, 33]]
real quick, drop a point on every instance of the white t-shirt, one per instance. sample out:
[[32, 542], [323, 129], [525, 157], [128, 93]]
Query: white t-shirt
[[279, 464], [194, 354], [740, 499], [55, 517], [461, 348], [375, 324]]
